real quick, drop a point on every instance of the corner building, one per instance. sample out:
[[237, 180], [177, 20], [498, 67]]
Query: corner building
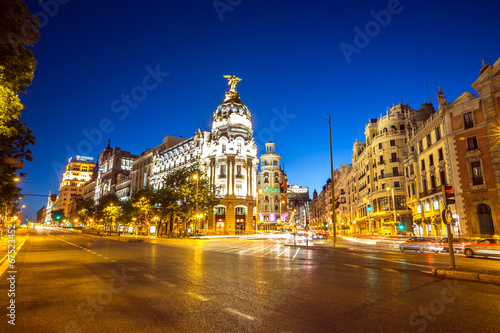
[[228, 157]]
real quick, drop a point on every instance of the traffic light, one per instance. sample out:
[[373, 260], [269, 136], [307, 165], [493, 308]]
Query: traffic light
[[448, 195], [53, 197], [369, 208], [401, 226], [282, 188], [58, 217], [307, 220]]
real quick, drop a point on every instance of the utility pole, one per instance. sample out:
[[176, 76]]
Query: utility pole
[[334, 217]]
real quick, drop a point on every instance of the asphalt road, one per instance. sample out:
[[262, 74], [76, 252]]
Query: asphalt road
[[74, 283]]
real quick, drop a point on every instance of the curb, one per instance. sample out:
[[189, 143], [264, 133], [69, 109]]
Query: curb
[[4, 265], [468, 276]]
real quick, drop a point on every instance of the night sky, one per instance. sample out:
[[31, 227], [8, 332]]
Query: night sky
[[93, 54]]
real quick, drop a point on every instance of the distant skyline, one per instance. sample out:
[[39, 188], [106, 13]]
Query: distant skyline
[[135, 73]]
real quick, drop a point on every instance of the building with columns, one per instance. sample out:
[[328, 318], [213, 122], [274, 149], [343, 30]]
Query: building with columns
[[227, 156], [272, 184]]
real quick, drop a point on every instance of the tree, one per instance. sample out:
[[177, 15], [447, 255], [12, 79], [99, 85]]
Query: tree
[[188, 196], [85, 209], [18, 30], [105, 201], [57, 215], [12, 156]]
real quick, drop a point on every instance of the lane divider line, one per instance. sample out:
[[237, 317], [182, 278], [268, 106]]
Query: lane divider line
[[296, 253], [197, 296], [240, 314]]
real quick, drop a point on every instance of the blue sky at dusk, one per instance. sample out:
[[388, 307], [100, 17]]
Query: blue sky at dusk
[[294, 73]]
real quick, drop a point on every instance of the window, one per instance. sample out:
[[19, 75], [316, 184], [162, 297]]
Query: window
[[442, 177], [411, 170], [223, 170], [468, 120], [383, 186], [406, 171], [238, 171], [380, 146], [429, 142], [381, 159], [435, 205], [393, 143], [240, 210], [239, 148], [440, 154], [382, 174], [431, 160], [471, 143], [395, 171], [409, 192], [422, 165], [433, 181], [414, 190], [276, 208], [266, 180], [223, 148], [477, 173], [420, 146], [394, 157], [396, 184], [438, 134]]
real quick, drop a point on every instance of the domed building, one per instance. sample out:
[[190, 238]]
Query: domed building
[[228, 157]]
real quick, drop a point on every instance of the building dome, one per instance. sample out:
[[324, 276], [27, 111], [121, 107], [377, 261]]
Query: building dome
[[232, 113]]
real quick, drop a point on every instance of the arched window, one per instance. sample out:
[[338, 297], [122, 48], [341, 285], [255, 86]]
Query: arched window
[[276, 180], [384, 130], [276, 208], [485, 220], [266, 180], [402, 127], [240, 210]]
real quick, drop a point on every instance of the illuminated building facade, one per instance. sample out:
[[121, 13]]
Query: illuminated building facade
[[78, 172], [272, 184], [227, 156]]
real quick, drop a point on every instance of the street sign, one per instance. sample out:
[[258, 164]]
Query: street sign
[[447, 216]]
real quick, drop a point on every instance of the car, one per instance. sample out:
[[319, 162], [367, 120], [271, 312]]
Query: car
[[421, 244], [488, 247], [457, 243]]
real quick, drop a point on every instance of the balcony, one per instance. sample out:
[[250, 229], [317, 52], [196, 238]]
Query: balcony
[[381, 162], [394, 160], [429, 192]]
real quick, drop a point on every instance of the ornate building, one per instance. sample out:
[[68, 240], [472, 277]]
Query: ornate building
[[227, 155], [78, 172], [114, 167], [272, 184]]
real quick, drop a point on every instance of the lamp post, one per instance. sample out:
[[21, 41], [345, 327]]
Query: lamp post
[[393, 204], [334, 219]]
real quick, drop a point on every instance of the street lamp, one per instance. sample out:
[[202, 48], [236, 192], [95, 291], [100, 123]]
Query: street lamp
[[393, 203]]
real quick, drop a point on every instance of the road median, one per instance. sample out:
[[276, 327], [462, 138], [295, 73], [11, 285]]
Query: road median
[[490, 277]]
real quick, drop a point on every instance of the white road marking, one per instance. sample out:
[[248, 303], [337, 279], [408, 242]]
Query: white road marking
[[429, 272], [355, 266], [277, 247], [287, 249], [197, 296], [296, 253], [149, 276], [170, 284], [390, 270], [240, 314], [261, 249]]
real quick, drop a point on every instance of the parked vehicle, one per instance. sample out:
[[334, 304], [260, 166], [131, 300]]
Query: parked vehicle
[[488, 247], [421, 244]]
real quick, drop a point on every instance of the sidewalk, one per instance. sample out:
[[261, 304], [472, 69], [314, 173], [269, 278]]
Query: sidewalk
[[468, 275]]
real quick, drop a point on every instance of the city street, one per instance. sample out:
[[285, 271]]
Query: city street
[[72, 283]]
